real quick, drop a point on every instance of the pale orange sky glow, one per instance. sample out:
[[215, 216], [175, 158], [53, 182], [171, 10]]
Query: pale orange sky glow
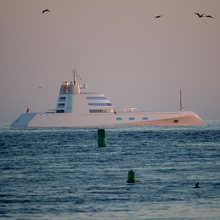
[[119, 49]]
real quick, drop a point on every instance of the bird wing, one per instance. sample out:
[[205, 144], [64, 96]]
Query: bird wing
[[157, 16], [200, 15], [45, 10]]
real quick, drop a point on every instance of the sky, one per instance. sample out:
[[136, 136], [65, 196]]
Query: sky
[[117, 46]]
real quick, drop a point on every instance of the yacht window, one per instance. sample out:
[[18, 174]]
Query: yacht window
[[96, 110], [62, 98], [119, 118], [60, 105], [131, 118], [145, 118], [60, 111]]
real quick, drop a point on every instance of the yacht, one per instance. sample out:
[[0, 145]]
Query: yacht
[[77, 108]]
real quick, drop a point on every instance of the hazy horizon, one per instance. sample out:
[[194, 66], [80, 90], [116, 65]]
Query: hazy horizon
[[118, 47]]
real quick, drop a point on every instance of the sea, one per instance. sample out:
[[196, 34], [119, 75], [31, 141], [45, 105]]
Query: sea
[[64, 174]]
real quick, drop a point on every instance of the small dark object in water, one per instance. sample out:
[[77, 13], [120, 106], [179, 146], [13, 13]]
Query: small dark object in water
[[197, 185], [131, 177], [101, 138]]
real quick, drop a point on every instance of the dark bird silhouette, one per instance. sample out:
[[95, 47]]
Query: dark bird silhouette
[[209, 16], [197, 185], [158, 16], [45, 10], [200, 15]]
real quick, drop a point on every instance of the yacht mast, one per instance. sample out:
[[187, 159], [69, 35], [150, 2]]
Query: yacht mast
[[181, 104], [74, 77]]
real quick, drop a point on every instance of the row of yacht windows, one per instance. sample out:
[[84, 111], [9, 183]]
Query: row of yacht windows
[[131, 118], [110, 110], [100, 104], [60, 105], [96, 97], [63, 98], [100, 110]]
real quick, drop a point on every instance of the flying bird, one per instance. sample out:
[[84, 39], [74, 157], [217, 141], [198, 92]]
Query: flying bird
[[200, 15], [158, 16], [209, 16], [45, 10]]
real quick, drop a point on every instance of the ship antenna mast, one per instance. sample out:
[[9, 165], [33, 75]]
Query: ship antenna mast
[[181, 104], [74, 77]]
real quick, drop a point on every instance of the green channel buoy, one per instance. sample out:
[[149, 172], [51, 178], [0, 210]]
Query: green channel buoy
[[101, 138], [131, 177]]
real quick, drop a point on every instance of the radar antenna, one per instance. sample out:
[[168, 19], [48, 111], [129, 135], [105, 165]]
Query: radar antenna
[[76, 76]]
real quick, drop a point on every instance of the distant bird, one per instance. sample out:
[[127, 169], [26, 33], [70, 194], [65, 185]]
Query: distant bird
[[45, 10], [200, 15], [209, 16], [39, 87], [197, 185], [158, 16], [28, 110]]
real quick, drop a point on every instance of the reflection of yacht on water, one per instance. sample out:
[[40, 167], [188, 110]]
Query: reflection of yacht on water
[[77, 108]]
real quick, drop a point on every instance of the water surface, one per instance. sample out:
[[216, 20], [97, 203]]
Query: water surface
[[63, 174]]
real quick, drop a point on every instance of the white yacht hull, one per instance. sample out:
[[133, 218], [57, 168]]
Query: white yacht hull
[[103, 120]]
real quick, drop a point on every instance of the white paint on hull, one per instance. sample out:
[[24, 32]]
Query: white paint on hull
[[70, 120]]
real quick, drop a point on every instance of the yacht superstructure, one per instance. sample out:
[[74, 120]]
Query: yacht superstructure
[[77, 108]]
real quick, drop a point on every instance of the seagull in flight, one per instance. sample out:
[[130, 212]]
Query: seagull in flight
[[45, 10], [158, 16], [200, 15], [209, 16]]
